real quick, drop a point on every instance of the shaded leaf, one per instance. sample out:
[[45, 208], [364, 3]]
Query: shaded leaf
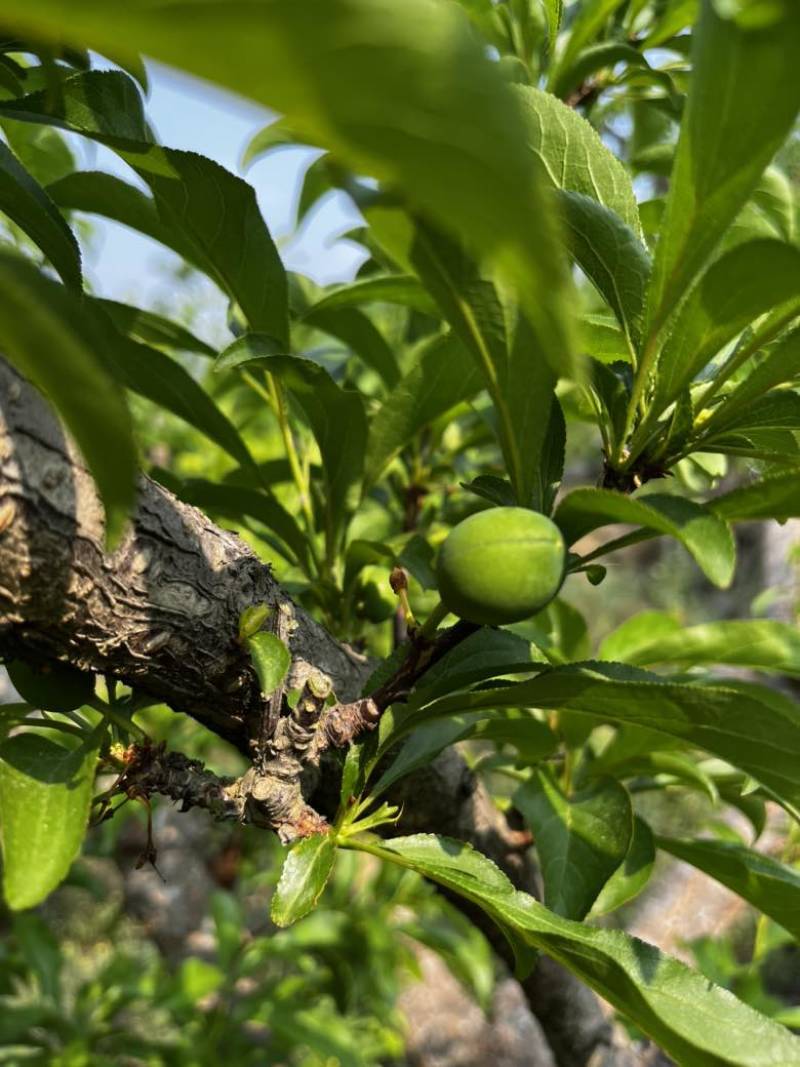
[[699, 530], [24, 201], [633, 874], [580, 839], [776, 496], [38, 317], [443, 376], [737, 288], [746, 726], [764, 882], [612, 257], [45, 794]]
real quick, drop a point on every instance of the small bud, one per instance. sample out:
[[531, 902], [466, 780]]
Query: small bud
[[252, 619], [398, 580]]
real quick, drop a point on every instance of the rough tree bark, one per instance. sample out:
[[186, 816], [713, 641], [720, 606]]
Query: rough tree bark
[[161, 614]]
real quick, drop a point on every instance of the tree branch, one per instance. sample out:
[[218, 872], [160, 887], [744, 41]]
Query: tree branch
[[161, 614]]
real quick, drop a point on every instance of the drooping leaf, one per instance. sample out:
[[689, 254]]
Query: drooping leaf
[[701, 531], [742, 102], [748, 727], [692, 1020], [271, 659], [760, 644], [611, 256], [580, 839], [420, 107], [632, 875], [764, 882], [24, 201], [237, 251], [403, 289], [305, 873], [45, 794], [776, 496], [153, 329], [159, 378], [39, 317]]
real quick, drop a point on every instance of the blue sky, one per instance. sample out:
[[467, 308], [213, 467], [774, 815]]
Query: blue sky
[[190, 114]]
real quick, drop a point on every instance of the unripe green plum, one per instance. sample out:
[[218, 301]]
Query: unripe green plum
[[501, 566]]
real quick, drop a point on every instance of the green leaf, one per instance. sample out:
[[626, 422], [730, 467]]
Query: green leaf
[[305, 873], [737, 288], [781, 364], [45, 794], [573, 156], [742, 102], [43, 151], [112, 198], [248, 349], [532, 739], [39, 317], [760, 644], [601, 56], [588, 23], [695, 1022], [103, 104], [420, 107], [403, 289], [271, 660], [54, 687], [24, 201], [580, 839], [777, 496], [638, 631], [153, 329], [633, 874], [488, 653], [612, 257], [517, 377], [237, 252], [748, 727], [276, 135], [442, 377], [159, 378], [770, 886], [360, 334], [704, 535]]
